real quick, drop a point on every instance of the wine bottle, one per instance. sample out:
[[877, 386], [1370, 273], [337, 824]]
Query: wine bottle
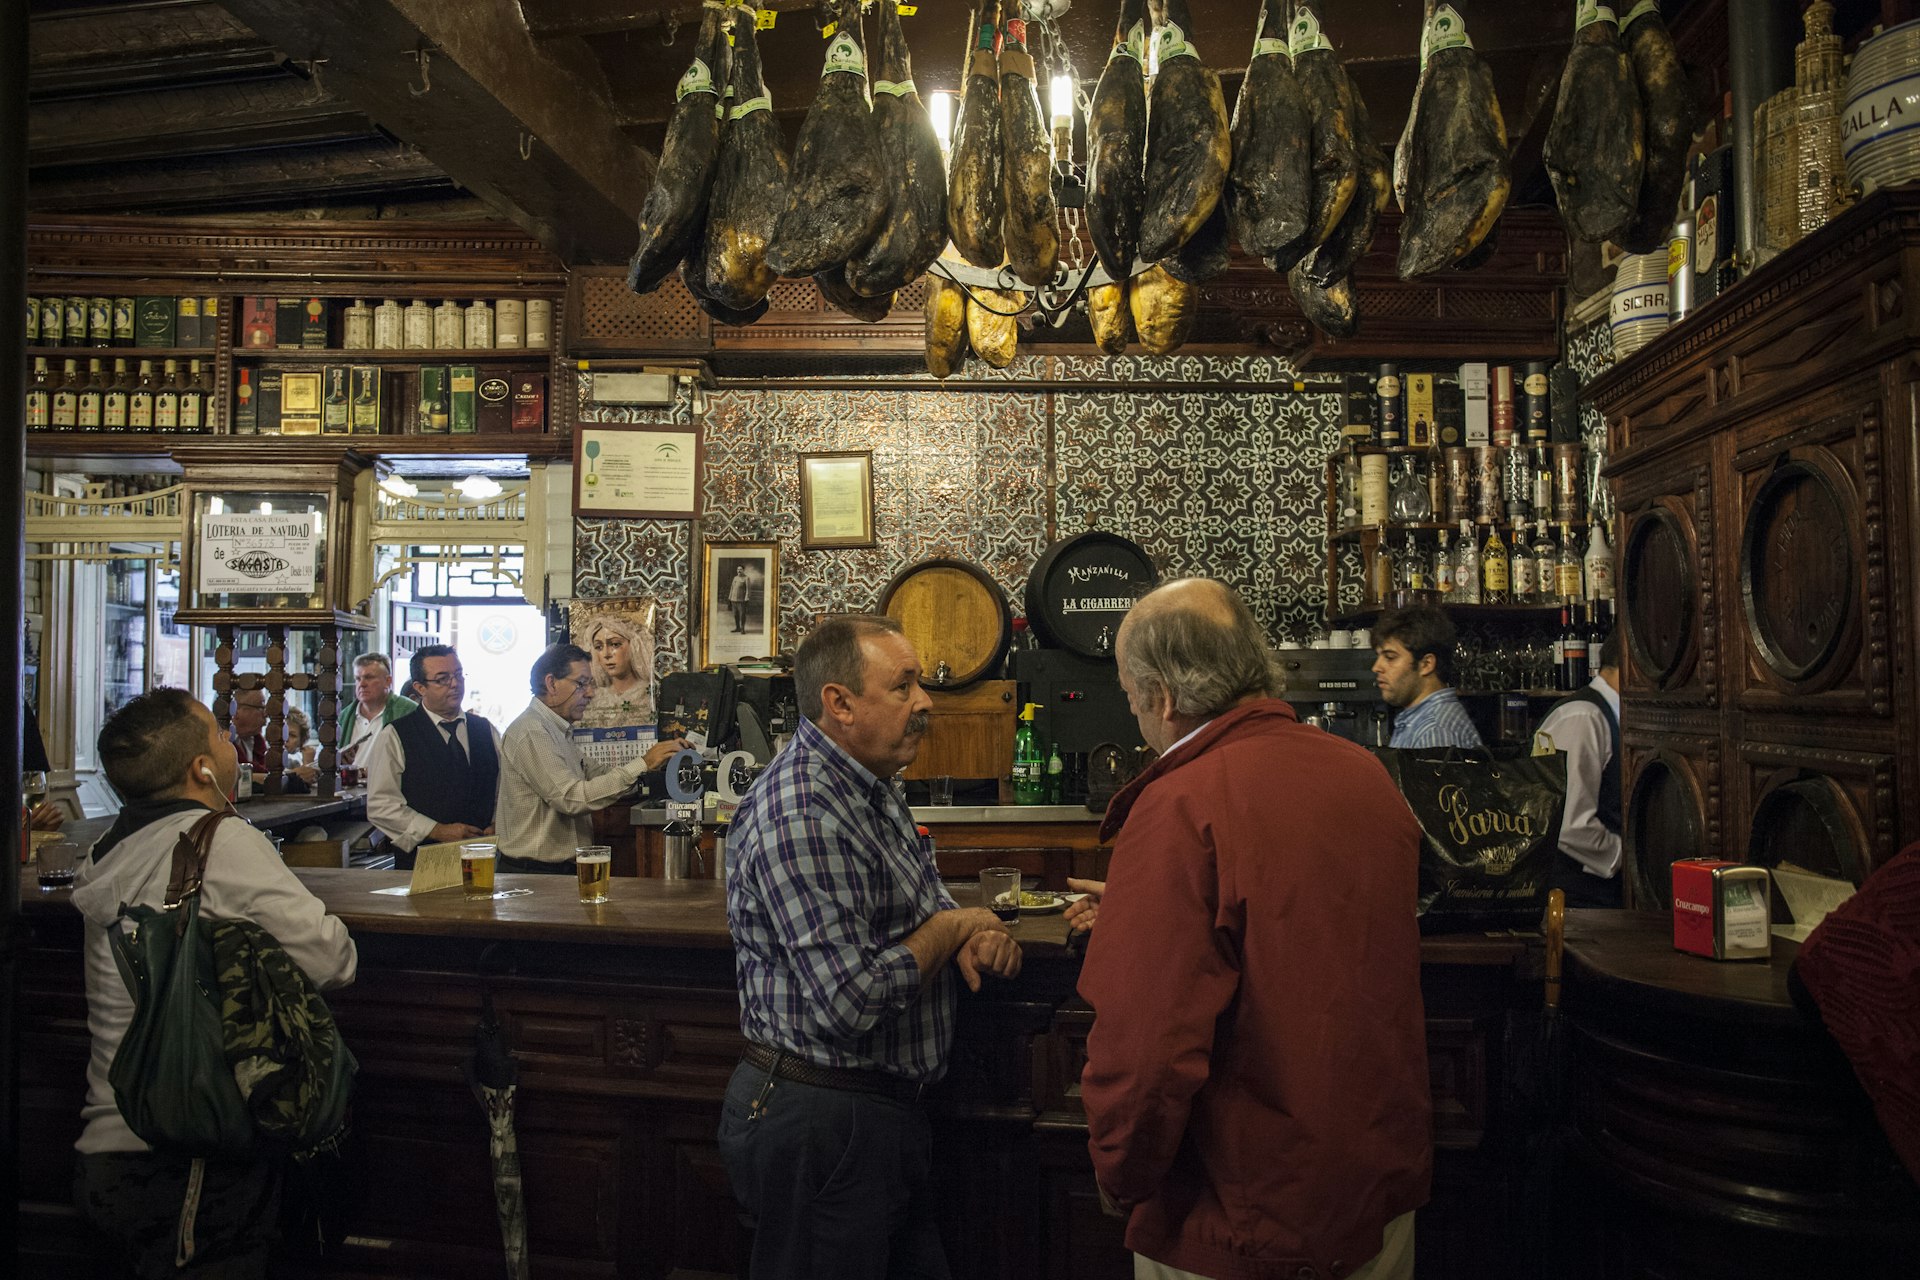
[[40, 397], [113, 407], [1521, 566], [92, 392], [166, 398], [66, 395], [1574, 648], [1569, 582], [140, 401], [1495, 584]]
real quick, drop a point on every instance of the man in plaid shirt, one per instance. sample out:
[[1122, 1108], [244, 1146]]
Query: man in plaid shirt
[[845, 941]]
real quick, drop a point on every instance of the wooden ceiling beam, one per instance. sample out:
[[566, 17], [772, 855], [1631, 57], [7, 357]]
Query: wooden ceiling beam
[[286, 178], [556, 19], [524, 127], [130, 127]]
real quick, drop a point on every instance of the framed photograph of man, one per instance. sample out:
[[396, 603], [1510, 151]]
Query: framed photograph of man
[[742, 596], [618, 636]]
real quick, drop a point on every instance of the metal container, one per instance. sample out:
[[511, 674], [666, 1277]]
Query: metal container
[[1680, 270], [680, 850], [1877, 137], [1637, 310]]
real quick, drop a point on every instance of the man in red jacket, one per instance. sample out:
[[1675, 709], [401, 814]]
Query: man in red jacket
[[1256, 1081]]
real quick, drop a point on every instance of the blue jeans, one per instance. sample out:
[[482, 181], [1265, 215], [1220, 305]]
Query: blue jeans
[[833, 1183]]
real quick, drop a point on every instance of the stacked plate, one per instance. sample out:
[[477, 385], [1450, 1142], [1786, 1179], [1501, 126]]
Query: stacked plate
[[1637, 311], [1880, 127]]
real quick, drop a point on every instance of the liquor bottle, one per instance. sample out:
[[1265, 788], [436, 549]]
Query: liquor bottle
[[1560, 649], [417, 325], [449, 327], [1569, 581], [1410, 504], [1443, 569], [1029, 779], [1347, 487], [123, 325], [140, 401], [1380, 578], [1546, 567], [1373, 490], [246, 414], [113, 408], [356, 331], [1410, 567], [40, 397], [1521, 566], [1536, 403], [166, 398], [1573, 648], [1390, 406], [66, 397], [74, 322], [1599, 564], [1466, 566], [1542, 484], [193, 401], [53, 313], [1502, 405], [1495, 584], [387, 326], [479, 327], [100, 322], [92, 392], [1516, 484], [439, 409], [1436, 481]]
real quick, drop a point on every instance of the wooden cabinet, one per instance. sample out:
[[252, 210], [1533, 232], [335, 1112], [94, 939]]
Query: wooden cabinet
[[1763, 458]]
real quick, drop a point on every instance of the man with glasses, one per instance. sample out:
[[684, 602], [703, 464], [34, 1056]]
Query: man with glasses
[[249, 718], [376, 705], [548, 790], [433, 775]]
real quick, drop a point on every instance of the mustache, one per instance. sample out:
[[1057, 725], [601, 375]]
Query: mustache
[[918, 722]]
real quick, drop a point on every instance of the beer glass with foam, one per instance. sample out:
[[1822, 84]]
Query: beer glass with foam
[[594, 863], [476, 869]]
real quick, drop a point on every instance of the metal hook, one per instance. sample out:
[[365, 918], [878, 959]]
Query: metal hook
[[423, 56], [526, 145]]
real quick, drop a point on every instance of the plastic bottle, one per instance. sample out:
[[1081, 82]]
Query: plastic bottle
[[1029, 776]]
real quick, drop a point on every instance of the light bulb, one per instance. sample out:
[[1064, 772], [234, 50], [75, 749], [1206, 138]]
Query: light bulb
[[940, 111], [1060, 94]]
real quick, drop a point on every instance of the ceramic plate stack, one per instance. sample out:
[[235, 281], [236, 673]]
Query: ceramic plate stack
[[1637, 312], [1880, 129]]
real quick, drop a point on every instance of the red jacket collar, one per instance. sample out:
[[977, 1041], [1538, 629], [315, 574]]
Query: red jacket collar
[[1227, 722]]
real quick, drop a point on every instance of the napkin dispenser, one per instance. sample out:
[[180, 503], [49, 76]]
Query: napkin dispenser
[[1722, 910]]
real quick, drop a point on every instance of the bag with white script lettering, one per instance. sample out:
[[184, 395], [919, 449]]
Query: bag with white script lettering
[[1490, 821]]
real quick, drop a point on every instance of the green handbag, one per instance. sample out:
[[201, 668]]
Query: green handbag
[[229, 1043]]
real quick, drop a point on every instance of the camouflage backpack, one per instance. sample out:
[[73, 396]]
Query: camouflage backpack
[[229, 1043]]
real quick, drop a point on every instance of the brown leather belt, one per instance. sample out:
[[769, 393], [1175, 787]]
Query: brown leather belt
[[785, 1066]]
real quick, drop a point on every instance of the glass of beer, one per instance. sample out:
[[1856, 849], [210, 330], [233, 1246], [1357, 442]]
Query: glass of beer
[[476, 869], [594, 863], [1000, 892]]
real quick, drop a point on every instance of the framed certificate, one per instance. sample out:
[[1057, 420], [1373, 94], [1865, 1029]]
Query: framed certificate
[[836, 499], [742, 597], [641, 470]]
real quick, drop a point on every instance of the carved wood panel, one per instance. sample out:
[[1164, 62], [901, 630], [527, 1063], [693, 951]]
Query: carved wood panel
[[1669, 600], [1825, 809], [1670, 791]]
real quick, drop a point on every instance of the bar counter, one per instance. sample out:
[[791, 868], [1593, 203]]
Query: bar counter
[[624, 1022]]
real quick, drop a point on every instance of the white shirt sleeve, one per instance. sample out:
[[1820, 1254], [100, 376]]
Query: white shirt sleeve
[[247, 880], [1580, 730], [560, 778], [385, 760]]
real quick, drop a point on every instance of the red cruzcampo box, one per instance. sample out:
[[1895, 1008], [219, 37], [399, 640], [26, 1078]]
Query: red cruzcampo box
[[1722, 910], [257, 320], [529, 402]]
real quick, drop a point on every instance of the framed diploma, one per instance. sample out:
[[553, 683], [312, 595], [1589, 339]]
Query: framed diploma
[[643, 470], [836, 499], [742, 597]]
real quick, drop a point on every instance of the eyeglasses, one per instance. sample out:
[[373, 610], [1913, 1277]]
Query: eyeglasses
[[447, 679], [252, 706], [584, 682]]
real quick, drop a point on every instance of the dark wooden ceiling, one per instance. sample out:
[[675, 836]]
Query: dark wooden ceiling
[[551, 111]]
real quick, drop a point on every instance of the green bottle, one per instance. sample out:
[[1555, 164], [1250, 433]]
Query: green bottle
[[1056, 775], [1029, 767]]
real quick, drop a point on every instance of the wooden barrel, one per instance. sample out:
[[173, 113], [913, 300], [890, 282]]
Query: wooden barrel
[[954, 613], [1081, 587]]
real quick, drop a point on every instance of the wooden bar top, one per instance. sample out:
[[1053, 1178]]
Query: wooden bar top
[[1632, 953]]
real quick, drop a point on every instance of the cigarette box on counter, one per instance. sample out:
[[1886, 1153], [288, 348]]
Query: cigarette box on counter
[[1722, 910]]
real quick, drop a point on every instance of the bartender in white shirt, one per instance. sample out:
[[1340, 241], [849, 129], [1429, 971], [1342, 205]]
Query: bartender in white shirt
[[433, 775], [1586, 725], [548, 789]]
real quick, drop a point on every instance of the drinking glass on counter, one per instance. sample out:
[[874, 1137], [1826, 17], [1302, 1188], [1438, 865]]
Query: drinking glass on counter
[[1000, 892], [476, 869], [55, 862], [940, 789], [594, 864]]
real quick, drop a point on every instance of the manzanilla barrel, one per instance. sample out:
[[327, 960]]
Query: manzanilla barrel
[[956, 616], [1082, 587], [1880, 125], [1638, 308]]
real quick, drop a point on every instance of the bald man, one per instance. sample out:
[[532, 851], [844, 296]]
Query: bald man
[[1256, 974]]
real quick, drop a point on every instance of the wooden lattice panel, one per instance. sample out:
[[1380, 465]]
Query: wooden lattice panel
[[604, 315]]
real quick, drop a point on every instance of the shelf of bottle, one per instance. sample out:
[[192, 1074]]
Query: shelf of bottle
[[120, 353], [1471, 612], [1435, 526], [527, 444], [428, 355]]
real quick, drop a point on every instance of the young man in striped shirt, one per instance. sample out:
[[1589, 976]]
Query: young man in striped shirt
[[1413, 667]]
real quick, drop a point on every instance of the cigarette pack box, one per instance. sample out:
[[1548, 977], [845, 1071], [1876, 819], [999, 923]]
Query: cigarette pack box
[[289, 323], [300, 403], [365, 406], [153, 322], [464, 392], [266, 400], [256, 322], [337, 399], [529, 402], [495, 409], [186, 321]]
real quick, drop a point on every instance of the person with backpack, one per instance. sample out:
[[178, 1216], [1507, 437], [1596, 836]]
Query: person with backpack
[[166, 1212]]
